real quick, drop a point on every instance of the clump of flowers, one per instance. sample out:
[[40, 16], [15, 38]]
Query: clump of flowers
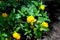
[[26, 18]]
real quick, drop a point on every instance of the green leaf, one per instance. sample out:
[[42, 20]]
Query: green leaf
[[18, 16], [30, 11], [26, 29], [41, 3], [34, 10], [41, 19], [17, 29], [35, 2], [6, 38], [45, 15], [2, 38], [15, 4], [22, 26], [36, 26], [13, 10], [37, 33], [30, 35], [4, 35], [21, 13], [39, 15], [47, 19], [26, 25], [25, 33], [44, 29], [23, 9]]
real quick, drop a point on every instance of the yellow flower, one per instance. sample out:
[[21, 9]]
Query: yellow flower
[[45, 24], [30, 19], [42, 7], [4, 15], [16, 35]]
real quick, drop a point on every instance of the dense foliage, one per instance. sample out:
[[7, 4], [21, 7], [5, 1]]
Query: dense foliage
[[22, 18]]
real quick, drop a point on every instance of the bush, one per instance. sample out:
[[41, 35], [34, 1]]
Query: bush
[[22, 18]]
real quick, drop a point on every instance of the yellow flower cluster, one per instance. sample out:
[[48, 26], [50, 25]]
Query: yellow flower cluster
[[30, 19], [42, 7], [4, 15], [16, 35], [45, 24]]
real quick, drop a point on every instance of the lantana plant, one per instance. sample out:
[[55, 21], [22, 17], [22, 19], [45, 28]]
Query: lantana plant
[[20, 18]]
